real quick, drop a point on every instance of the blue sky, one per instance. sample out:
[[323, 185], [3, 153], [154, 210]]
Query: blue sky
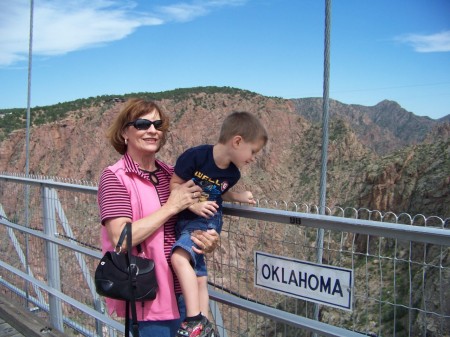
[[380, 49]]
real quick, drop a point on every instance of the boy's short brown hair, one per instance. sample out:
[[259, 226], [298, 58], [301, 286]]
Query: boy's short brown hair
[[244, 124]]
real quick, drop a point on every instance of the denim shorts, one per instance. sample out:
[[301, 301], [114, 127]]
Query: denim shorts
[[197, 260], [215, 222], [184, 229]]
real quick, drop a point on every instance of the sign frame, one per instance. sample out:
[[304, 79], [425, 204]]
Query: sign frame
[[269, 274]]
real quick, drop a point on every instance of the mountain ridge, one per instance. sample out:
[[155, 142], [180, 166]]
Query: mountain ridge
[[380, 157]]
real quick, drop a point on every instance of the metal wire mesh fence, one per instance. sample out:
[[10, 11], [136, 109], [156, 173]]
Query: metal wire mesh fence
[[400, 286]]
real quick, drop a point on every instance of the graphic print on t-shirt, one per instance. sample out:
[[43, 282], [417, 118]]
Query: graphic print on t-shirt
[[211, 189]]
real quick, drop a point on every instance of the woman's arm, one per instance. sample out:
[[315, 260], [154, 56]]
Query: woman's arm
[[176, 181], [180, 198]]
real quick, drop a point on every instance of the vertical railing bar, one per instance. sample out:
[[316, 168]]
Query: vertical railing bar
[[380, 264], [395, 286], [52, 250], [21, 255], [424, 279], [81, 261], [441, 290], [410, 323]]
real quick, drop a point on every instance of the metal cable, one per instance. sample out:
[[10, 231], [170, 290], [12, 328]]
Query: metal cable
[[325, 120]]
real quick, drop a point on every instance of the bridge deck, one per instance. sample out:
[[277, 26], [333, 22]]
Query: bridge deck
[[16, 321]]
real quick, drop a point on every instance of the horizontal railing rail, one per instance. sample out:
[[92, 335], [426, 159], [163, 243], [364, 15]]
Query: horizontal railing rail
[[439, 236]]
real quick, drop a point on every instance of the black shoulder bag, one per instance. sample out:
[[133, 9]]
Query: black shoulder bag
[[126, 277]]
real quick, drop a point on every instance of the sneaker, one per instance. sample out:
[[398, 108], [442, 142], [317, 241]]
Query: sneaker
[[209, 330], [202, 328]]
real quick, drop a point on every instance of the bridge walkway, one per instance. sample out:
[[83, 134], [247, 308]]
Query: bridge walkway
[[16, 321]]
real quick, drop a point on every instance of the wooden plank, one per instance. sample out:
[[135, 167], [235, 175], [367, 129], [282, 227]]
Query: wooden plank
[[20, 322]]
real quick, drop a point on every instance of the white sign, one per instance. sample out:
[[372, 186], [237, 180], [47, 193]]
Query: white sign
[[313, 282]]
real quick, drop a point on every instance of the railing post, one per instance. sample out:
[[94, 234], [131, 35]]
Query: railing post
[[48, 196], [98, 324], [217, 316]]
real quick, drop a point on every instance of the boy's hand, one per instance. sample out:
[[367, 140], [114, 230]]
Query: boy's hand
[[247, 197], [205, 209]]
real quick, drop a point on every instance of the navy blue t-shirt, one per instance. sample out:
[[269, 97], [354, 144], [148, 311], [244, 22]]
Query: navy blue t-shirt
[[197, 163]]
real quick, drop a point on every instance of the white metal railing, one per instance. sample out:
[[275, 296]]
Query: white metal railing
[[400, 265]]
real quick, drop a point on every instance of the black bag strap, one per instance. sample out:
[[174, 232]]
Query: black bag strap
[[118, 248], [127, 319], [125, 230], [132, 274]]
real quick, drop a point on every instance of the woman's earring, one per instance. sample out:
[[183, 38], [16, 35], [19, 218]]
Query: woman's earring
[[126, 141]]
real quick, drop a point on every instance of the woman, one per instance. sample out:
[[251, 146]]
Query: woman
[[136, 189]]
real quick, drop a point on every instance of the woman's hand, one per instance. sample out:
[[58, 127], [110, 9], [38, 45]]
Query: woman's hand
[[206, 240], [183, 196]]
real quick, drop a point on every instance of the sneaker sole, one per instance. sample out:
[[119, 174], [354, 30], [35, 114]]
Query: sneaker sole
[[210, 334]]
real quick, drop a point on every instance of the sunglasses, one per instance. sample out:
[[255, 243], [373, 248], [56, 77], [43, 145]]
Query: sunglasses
[[145, 124]]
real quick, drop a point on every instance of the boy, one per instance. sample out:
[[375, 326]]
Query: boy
[[216, 169]]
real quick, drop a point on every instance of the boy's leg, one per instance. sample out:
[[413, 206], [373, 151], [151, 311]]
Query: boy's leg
[[203, 295], [188, 280]]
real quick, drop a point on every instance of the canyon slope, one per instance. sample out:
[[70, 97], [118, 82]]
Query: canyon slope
[[381, 157]]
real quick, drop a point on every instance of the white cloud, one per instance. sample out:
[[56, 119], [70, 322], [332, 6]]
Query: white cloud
[[439, 42], [61, 27], [183, 11]]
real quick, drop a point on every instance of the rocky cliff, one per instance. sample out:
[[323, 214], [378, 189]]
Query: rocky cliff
[[380, 157]]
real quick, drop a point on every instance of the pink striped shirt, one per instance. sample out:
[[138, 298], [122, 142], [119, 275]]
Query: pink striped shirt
[[114, 201]]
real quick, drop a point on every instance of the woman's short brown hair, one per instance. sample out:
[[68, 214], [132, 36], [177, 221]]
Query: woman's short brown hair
[[132, 110]]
